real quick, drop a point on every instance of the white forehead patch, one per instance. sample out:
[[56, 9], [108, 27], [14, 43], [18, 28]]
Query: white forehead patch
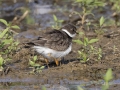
[[71, 35]]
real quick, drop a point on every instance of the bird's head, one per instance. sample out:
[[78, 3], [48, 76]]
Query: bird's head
[[70, 29]]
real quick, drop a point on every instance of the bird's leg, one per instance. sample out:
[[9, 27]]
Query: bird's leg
[[46, 60], [56, 62], [62, 61], [55, 59]]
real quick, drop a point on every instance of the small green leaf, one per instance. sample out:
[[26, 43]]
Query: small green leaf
[[106, 86], [31, 63], [42, 67], [79, 52], [84, 57], [92, 48], [44, 88], [7, 41], [102, 20], [16, 43], [93, 41], [86, 40], [15, 27], [35, 58], [100, 50], [78, 41], [1, 61], [79, 88], [36, 65], [4, 21], [4, 32], [108, 76], [55, 18], [60, 21]]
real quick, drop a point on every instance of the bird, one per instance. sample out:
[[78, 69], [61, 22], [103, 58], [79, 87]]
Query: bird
[[55, 44]]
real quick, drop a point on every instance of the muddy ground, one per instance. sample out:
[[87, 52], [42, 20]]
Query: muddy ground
[[70, 72]]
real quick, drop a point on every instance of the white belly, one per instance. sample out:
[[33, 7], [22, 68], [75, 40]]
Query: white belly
[[48, 53]]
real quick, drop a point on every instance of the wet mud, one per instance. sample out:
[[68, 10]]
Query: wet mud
[[71, 73]]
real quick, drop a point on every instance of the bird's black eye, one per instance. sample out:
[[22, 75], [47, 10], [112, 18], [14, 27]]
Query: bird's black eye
[[74, 29]]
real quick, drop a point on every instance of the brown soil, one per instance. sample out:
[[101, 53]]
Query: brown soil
[[71, 69]]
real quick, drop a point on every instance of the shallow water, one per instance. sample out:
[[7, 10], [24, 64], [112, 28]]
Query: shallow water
[[9, 83], [41, 11]]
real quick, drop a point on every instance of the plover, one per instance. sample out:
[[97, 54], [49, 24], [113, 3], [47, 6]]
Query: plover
[[55, 44]]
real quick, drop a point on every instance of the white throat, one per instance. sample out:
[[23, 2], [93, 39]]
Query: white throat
[[71, 35]]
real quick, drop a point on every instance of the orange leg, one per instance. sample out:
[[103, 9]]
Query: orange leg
[[56, 62], [47, 62]]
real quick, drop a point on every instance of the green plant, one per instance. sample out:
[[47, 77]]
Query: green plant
[[108, 76], [79, 88], [116, 11], [32, 62], [87, 7], [96, 51], [57, 22], [44, 88], [1, 63], [7, 43], [87, 49], [99, 29], [6, 38], [89, 4], [114, 49], [116, 5], [37, 67], [101, 21], [26, 16]]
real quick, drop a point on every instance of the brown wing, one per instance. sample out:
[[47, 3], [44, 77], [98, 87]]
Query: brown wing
[[55, 39]]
